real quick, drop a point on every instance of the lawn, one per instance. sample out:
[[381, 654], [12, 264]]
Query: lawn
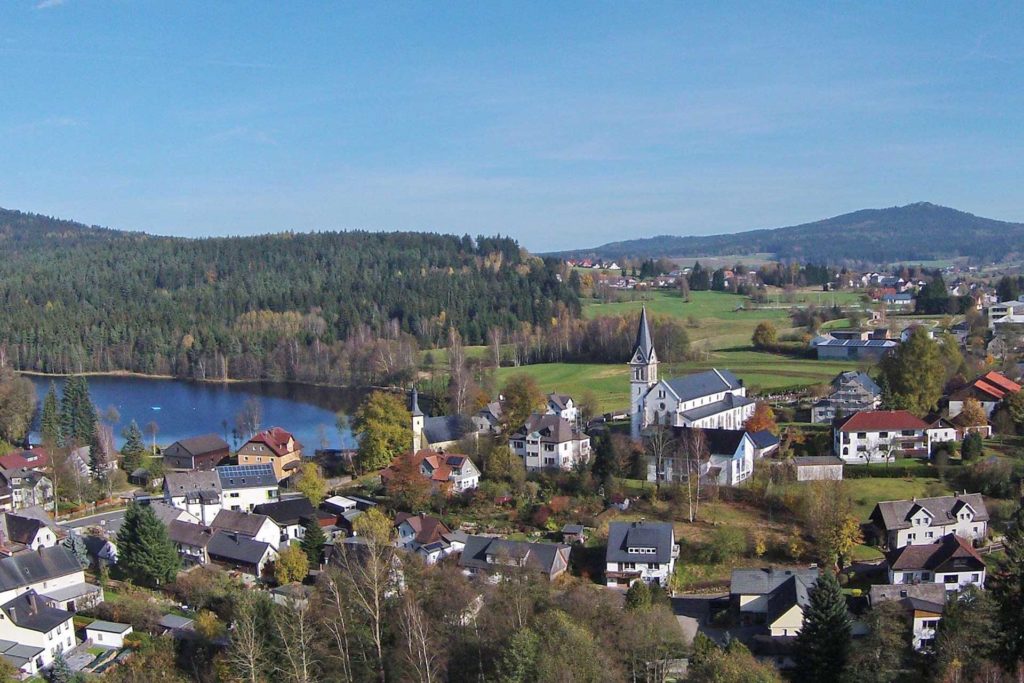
[[867, 492]]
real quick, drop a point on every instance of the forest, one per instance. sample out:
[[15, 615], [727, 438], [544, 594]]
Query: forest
[[339, 307]]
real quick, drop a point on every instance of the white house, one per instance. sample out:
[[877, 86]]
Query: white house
[[291, 515], [922, 521], [950, 561], [1005, 313], [257, 527], [923, 604], [243, 487], [426, 536], [31, 621], [852, 391], [941, 431], [640, 551], [773, 598], [107, 633], [871, 436], [562, 405], [196, 492], [714, 399], [20, 534], [53, 572], [550, 441]]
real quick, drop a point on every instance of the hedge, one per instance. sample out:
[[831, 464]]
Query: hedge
[[883, 471]]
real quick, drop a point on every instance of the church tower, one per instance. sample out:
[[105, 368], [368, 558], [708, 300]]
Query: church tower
[[417, 422], [643, 373]]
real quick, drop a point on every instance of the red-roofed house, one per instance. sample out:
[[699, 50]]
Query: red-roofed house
[[453, 469], [35, 459], [879, 435], [273, 446], [989, 390]]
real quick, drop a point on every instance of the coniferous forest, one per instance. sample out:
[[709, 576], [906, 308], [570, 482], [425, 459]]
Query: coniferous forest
[[340, 307]]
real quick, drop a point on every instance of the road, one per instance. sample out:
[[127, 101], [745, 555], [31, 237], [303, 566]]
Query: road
[[111, 521]]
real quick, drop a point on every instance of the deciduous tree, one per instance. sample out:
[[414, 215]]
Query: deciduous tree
[[972, 414], [762, 419], [291, 564], [912, 375], [765, 336], [522, 397], [311, 483], [383, 425], [17, 406]]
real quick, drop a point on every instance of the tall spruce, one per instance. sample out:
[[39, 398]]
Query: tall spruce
[[145, 552], [77, 412], [134, 450], [1008, 591], [823, 644], [49, 421], [313, 541]]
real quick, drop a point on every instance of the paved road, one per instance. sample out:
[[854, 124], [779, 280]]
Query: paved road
[[107, 520]]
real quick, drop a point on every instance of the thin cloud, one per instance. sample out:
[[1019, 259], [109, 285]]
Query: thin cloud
[[49, 4]]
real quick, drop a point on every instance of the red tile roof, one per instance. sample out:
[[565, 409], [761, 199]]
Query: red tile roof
[[276, 439], [882, 420], [35, 459]]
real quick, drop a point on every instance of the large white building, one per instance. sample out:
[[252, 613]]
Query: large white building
[[950, 562], [714, 399], [923, 521], [879, 436], [550, 442], [640, 551]]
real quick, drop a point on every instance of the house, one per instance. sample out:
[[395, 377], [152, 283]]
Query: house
[[765, 443], [191, 540], [731, 452], [899, 299], [961, 331], [24, 534], [487, 555], [176, 626], [275, 447], [772, 598], [241, 553], [22, 487], [488, 419], [338, 504], [451, 473], [101, 550], [922, 603], [290, 515], [32, 459], [426, 536], [107, 633], [550, 442], [879, 435], [711, 399], [941, 431], [899, 523], [243, 487], [167, 513], [54, 573], [574, 533], [950, 561], [196, 492], [909, 331], [851, 392], [818, 468], [291, 594], [828, 347], [989, 390], [1005, 314], [640, 551], [436, 433], [196, 453], [32, 622], [563, 406], [257, 527]]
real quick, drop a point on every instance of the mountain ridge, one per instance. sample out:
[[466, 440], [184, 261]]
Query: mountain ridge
[[919, 231]]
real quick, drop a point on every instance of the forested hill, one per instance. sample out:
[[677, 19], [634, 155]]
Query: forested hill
[[916, 232], [342, 307]]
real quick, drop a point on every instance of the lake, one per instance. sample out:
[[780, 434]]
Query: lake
[[182, 409]]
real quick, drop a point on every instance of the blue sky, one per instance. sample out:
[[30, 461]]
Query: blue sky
[[562, 124]]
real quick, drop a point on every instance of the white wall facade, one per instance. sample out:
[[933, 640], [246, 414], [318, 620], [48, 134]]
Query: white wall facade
[[874, 446], [952, 580], [248, 498]]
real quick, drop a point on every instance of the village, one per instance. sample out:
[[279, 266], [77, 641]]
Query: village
[[695, 497]]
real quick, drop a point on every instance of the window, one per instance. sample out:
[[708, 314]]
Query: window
[[629, 565], [883, 435], [975, 578], [654, 565], [930, 623], [862, 435], [549, 447], [949, 578]]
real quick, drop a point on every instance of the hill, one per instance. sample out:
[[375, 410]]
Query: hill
[[916, 232], [334, 307]]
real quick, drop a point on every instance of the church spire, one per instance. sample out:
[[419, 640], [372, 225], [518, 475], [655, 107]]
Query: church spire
[[416, 412], [644, 344]]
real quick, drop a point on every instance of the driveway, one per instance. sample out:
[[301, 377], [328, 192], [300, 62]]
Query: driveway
[[111, 521], [692, 613]]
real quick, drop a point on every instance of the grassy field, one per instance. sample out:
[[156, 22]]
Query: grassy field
[[866, 493]]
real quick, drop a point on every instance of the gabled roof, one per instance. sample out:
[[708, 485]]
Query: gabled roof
[[896, 514], [949, 553], [792, 592], [184, 533], [549, 558], [728, 403], [550, 428], [21, 529], [287, 511], [881, 420], [242, 522], [623, 536], [559, 401], [200, 445], [276, 439], [36, 458], [764, 581], [446, 428], [164, 512], [763, 439], [195, 481], [861, 378], [990, 387], [700, 384], [234, 547], [246, 476], [30, 611], [644, 344], [426, 529], [44, 564], [723, 441]]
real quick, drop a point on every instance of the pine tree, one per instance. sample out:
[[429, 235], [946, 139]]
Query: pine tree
[[50, 418], [77, 413], [76, 545], [144, 550], [822, 646], [134, 449], [1008, 591], [313, 541], [97, 456], [638, 597]]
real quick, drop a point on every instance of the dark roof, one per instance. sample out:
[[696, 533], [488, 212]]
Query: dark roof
[[792, 591], [764, 581], [22, 529], [730, 401], [184, 533], [573, 529], [415, 409], [625, 535], [815, 460], [108, 626], [444, 428], [949, 553], [861, 378], [896, 514], [42, 565], [644, 344], [246, 476], [164, 512], [560, 401], [700, 384], [200, 445], [928, 592], [551, 428], [29, 610], [236, 520], [227, 545], [549, 558], [723, 441], [763, 439], [287, 511], [195, 481]]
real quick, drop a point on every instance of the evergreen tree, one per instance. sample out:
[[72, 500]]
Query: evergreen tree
[[313, 541], [77, 413], [144, 550], [134, 450], [972, 447], [60, 671], [718, 280], [519, 658], [638, 597], [823, 643], [912, 376], [76, 545], [97, 455], [699, 279], [1008, 591], [50, 418]]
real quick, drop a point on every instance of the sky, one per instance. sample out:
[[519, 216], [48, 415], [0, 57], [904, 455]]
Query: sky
[[564, 125]]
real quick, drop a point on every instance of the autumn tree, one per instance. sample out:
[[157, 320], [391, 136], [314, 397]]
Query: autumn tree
[[311, 483], [383, 425], [406, 485], [912, 375], [291, 564], [973, 414], [762, 419], [17, 406], [765, 336], [827, 513], [522, 398]]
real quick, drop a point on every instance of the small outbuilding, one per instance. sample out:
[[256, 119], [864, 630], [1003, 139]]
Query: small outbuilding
[[107, 633]]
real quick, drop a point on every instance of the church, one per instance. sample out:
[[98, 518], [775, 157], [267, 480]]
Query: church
[[714, 399]]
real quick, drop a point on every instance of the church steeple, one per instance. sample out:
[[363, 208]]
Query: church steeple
[[643, 368], [417, 422]]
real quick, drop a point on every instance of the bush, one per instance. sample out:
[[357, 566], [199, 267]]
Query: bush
[[726, 544]]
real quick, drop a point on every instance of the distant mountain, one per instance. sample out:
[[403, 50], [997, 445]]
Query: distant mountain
[[916, 232]]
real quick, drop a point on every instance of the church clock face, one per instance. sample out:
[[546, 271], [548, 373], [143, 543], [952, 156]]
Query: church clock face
[[663, 406]]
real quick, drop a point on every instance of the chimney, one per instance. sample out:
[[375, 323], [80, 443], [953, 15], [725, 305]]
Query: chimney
[[14, 614], [32, 603]]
